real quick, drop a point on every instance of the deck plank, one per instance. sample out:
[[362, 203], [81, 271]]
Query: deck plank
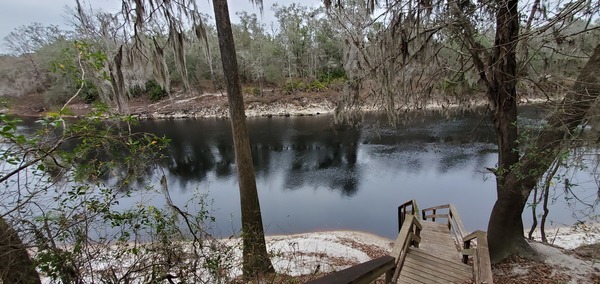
[[439, 261], [420, 267], [426, 275], [412, 272], [450, 272], [436, 240]]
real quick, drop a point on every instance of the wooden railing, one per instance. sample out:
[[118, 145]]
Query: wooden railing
[[455, 225], [410, 235], [410, 208], [481, 257], [390, 265], [365, 272]]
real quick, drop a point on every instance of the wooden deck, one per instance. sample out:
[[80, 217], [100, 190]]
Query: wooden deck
[[426, 251], [436, 260]]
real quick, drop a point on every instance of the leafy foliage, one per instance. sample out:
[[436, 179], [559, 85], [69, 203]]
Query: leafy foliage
[[155, 91], [68, 178], [136, 91]]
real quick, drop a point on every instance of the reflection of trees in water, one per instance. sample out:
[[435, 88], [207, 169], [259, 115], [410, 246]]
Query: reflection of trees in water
[[190, 156], [331, 155], [263, 148], [453, 159], [226, 157], [327, 158], [190, 162], [314, 154], [319, 155], [449, 139]]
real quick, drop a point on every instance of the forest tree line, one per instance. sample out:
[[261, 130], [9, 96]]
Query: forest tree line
[[304, 49], [400, 53]]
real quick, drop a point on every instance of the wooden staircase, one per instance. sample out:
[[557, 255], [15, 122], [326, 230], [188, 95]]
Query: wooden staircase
[[436, 260], [426, 251]]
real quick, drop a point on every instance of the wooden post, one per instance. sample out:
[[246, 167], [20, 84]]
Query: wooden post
[[485, 263], [466, 257], [400, 218], [389, 275]]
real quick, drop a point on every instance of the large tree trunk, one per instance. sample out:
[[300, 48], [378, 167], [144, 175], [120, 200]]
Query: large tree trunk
[[256, 260], [505, 228], [15, 264], [502, 87]]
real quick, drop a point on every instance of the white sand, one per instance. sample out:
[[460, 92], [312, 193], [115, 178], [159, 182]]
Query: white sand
[[317, 252], [572, 237]]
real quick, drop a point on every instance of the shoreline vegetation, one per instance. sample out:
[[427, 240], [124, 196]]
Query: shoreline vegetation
[[214, 105]]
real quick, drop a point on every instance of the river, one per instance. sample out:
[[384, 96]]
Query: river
[[312, 176]]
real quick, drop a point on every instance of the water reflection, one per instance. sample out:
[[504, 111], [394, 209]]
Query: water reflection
[[312, 175], [313, 152]]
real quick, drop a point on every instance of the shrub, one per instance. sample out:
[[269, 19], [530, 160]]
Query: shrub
[[60, 92], [155, 91], [293, 86], [317, 86], [337, 84], [252, 91], [136, 91], [332, 75], [89, 92]]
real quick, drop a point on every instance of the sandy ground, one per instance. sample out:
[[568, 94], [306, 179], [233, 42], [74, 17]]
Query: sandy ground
[[214, 104], [572, 255], [190, 105], [303, 257], [562, 262]]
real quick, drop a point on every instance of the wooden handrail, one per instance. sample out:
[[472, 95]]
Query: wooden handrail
[[365, 272], [482, 269], [402, 211], [409, 235]]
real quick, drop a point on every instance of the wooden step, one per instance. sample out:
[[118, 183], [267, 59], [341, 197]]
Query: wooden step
[[435, 227], [421, 267], [436, 240], [455, 264]]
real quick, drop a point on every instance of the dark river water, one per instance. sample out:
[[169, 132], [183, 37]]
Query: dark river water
[[312, 176]]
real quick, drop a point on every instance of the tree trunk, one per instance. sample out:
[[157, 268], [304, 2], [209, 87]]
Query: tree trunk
[[505, 228], [502, 87], [15, 264], [256, 260]]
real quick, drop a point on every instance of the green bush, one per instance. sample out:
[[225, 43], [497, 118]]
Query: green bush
[[155, 91], [317, 86], [294, 86], [332, 75], [337, 84], [89, 92], [252, 91], [136, 91], [60, 92], [289, 87]]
